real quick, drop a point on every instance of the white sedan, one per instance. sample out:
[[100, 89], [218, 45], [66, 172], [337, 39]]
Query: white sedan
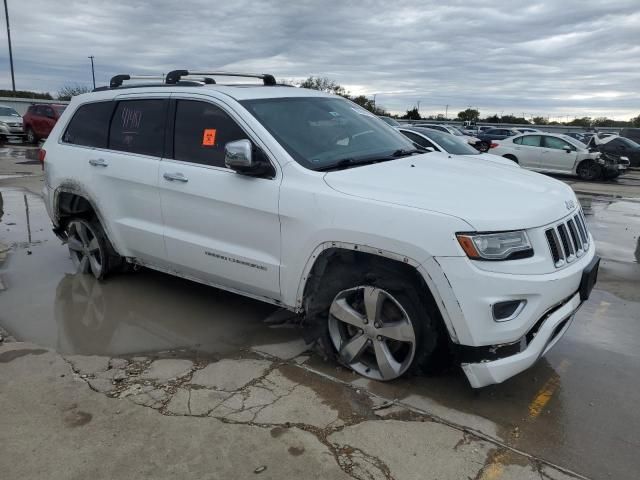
[[553, 153], [437, 141]]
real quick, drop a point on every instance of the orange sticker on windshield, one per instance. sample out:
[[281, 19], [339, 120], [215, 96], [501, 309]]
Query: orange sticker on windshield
[[209, 137]]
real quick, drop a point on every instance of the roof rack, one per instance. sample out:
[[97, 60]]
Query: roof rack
[[174, 76], [117, 80]]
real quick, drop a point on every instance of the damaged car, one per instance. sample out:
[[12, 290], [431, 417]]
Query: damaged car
[[307, 201]]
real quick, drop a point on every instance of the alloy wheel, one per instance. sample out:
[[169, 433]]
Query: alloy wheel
[[84, 248], [372, 332]]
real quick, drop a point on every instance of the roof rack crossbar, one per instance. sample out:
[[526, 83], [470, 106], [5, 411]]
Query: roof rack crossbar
[[117, 80], [175, 75]]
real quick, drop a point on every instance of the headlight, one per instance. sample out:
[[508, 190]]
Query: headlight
[[496, 246]]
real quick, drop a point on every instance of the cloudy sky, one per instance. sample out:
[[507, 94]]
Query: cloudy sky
[[552, 58]]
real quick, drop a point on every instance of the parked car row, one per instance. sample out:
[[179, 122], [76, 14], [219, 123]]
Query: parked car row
[[36, 124], [588, 155]]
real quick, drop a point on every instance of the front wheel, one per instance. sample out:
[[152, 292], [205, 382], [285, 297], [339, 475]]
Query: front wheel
[[377, 324], [90, 249], [589, 170]]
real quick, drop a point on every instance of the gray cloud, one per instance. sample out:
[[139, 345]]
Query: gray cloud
[[573, 57]]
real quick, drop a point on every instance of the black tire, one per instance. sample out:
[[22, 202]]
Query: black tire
[[422, 313], [589, 170], [511, 157], [483, 147], [96, 255], [30, 136]]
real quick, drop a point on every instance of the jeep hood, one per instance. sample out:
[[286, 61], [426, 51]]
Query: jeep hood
[[487, 195]]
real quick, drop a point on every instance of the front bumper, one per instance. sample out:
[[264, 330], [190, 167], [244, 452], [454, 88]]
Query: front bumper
[[549, 332]]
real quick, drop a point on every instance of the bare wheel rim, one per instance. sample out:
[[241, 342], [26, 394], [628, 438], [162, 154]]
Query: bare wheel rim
[[372, 332], [84, 248], [31, 138]]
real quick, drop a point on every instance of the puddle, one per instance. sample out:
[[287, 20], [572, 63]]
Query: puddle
[[615, 224], [45, 302]]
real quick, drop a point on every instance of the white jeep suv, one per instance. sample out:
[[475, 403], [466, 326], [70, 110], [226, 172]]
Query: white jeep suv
[[307, 201]]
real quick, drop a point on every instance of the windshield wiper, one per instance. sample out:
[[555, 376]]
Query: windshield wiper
[[351, 162]]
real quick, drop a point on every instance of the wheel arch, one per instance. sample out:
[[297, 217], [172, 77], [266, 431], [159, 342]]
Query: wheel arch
[[511, 157], [329, 254]]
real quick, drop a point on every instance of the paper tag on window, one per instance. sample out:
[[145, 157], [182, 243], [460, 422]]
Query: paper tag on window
[[209, 137]]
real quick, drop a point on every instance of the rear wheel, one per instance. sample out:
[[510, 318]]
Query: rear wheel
[[90, 249], [483, 147], [589, 170], [31, 136], [511, 157]]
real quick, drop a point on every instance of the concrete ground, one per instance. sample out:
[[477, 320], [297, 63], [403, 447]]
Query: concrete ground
[[147, 375]]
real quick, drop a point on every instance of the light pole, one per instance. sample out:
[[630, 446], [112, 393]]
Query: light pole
[[6, 15], [93, 73], [446, 111]]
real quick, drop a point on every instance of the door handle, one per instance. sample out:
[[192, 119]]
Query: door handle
[[175, 177], [98, 162]]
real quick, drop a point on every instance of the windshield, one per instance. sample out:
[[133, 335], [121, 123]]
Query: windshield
[[59, 109], [451, 144], [319, 132], [455, 131], [8, 112], [574, 141], [391, 121]]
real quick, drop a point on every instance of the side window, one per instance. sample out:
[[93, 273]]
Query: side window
[[531, 140], [201, 132], [48, 112], [556, 143], [90, 125], [423, 142], [138, 127], [40, 110], [518, 140]]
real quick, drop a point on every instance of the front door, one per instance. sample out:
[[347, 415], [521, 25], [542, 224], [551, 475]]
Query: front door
[[219, 226], [529, 151], [558, 155]]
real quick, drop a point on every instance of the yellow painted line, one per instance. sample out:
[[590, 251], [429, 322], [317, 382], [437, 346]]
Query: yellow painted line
[[494, 470], [546, 392]]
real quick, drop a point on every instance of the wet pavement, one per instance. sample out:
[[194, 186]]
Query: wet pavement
[[576, 408]]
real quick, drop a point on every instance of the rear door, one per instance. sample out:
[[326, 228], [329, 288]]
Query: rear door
[[220, 227], [48, 120], [557, 155], [528, 151], [124, 176]]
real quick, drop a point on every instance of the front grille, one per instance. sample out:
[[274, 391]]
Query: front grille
[[14, 124], [568, 240]]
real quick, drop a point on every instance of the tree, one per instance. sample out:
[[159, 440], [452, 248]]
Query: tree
[[470, 114], [25, 94], [492, 119], [69, 90], [324, 85], [635, 121], [514, 119], [412, 114], [580, 122], [539, 120]]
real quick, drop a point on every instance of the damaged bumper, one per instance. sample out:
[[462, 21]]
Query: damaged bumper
[[531, 347]]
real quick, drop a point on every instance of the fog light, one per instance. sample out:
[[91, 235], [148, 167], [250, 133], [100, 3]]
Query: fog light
[[503, 311]]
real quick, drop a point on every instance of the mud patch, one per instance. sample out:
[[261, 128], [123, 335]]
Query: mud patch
[[77, 418], [296, 451]]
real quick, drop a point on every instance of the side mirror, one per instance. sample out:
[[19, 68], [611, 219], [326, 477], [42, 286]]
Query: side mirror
[[429, 149], [567, 148], [239, 156]]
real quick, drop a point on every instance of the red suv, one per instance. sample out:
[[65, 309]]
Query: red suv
[[40, 119]]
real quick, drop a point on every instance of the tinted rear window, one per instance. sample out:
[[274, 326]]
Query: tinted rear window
[[138, 127], [90, 125]]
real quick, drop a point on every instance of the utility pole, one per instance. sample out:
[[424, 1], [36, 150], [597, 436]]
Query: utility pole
[[446, 111], [418, 107], [93, 73], [6, 15], [374, 102]]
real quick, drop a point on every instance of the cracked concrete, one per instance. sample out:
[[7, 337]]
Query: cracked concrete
[[231, 418]]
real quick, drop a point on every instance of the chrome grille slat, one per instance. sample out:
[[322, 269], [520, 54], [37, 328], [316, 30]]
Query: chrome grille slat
[[568, 239]]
